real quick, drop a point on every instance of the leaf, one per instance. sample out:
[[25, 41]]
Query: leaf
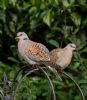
[[56, 1], [26, 5], [47, 17], [65, 3], [32, 2], [84, 50], [58, 29], [38, 3], [14, 17], [3, 65], [2, 15], [84, 23], [76, 18], [1, 95], [5, 83], [54, 43], [13, 2], [12, 26], [71, 1], [83, 81], [68, 3], [76, 65], [12, 59], [67, 29], [4, 4], [82, 2], [5, 80]]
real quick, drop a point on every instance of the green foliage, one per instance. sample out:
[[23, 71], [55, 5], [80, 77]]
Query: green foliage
[[54, 23]]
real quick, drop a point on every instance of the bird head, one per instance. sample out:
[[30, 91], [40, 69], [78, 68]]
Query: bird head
[[21, 36], [71, 46]]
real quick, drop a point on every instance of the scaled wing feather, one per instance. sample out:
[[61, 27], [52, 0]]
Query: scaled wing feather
[[36, 52]]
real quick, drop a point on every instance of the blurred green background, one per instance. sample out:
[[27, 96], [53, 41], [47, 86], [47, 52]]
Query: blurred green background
[[55, 23]]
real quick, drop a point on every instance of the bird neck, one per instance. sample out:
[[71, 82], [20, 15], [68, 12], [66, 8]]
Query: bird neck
[[69, 50], [22, 42]]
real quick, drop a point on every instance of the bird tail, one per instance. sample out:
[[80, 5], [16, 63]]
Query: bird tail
[[56, 73], [55, 69], [52, 66]]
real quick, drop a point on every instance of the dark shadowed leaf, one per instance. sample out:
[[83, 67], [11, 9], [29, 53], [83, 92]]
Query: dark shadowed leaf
[[76, 18], [47, 17], [54, 43]]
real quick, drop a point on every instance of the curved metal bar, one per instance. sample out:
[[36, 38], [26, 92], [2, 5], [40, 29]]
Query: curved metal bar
[[54, 96], [13, 81], [82, 95], [53, 91]]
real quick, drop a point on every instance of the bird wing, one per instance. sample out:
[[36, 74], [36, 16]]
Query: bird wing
[[55, 54], [37, 52], [44, 47]]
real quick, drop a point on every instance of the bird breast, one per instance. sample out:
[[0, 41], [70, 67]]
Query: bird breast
[[21, 46], [64, 58]]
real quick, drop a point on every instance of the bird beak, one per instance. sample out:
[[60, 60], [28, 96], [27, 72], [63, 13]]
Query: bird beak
[[17, 38]]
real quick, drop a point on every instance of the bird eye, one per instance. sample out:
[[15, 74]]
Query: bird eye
[[20, 34], [73, 46]]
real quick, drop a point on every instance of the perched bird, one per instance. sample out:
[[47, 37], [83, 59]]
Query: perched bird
[[33, 52], [62, 56]]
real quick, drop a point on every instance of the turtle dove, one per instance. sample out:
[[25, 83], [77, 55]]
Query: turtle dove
[[62, 56], [31, 51]]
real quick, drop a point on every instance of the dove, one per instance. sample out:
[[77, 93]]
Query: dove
[[33, 52], [62, 56]]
